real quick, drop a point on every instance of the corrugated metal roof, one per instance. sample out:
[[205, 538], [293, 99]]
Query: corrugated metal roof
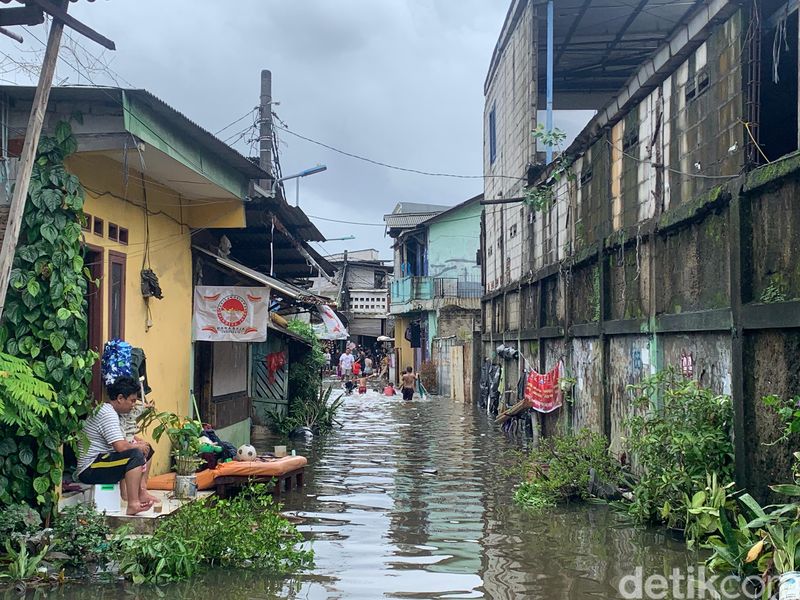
[[404, 221], [404, 208], [283, 287], [114, 96]]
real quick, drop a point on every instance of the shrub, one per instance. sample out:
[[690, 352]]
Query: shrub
[[558, 470], [80, 533], [246, 531], [19, 521], [675, 445]]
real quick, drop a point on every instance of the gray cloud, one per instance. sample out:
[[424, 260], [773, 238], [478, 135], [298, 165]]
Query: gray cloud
[[397, 81]]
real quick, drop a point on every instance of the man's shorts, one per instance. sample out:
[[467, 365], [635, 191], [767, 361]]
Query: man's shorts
[[408, 393], [347, 372], [112, 466]]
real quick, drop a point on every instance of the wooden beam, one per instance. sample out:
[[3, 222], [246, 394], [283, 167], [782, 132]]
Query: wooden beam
[[23, 15], [60, 14], [11, 34], [28, 156]]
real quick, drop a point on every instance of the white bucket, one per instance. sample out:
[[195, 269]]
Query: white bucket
[[790, 586], [186, 487], [106, 497], [280, 451]]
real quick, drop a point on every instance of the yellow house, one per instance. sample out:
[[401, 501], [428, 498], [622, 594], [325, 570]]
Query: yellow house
[[153, 181]]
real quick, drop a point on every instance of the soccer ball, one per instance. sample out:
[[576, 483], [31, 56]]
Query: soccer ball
[[246, 452]]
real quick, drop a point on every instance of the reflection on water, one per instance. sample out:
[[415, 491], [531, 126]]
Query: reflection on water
[[410, 500]]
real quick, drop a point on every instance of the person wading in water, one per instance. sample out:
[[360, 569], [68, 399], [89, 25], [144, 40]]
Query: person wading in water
[[409, 382]]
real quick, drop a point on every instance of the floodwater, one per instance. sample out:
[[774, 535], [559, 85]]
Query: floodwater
[[411, 500]]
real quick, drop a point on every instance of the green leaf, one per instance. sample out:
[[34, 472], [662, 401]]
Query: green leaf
[[63, 131], [57, 341], [63, 314], [786, 489], [33, 288], [49, 232], [25, 455], [41, 485]]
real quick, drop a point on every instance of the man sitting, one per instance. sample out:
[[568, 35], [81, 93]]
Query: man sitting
[[109, 457]]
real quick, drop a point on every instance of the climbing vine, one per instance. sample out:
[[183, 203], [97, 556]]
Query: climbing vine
[[542, 195], [45, 324]]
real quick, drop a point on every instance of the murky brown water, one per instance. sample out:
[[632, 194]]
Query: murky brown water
[[383, 524]]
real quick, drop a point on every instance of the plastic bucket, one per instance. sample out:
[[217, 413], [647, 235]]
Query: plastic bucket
[[186, 486], [790, 586], [280, 451]]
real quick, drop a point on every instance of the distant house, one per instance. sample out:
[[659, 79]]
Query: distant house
[[360, 289], [435, 296]]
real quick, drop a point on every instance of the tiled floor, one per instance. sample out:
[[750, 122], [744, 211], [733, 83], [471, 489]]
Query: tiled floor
[[144, 522]]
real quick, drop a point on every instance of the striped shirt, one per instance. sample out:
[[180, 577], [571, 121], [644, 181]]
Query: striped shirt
[[102, 429]]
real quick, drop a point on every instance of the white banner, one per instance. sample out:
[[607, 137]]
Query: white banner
[[230, 314], [333, 327]]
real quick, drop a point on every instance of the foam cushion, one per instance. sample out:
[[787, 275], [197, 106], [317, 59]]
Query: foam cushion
[[235, 468]]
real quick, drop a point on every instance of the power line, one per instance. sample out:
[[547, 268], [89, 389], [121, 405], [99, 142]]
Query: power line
[[390, 166]]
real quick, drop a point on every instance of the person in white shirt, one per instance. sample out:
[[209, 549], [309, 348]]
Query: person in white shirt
[[110, 458], [346, 364]]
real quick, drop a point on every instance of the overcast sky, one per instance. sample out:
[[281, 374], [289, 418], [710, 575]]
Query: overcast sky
[[398, 81]]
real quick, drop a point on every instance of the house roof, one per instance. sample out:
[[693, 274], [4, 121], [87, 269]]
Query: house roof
[[598, 44], [454, 209], [116, 97], [405, 208]]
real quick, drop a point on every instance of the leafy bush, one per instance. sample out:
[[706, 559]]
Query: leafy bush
[[318, 415], [24, 398], [305, 375], [19, 521], [45, 324], [80, 533], [675, 445], [558, 470], [246, 531]]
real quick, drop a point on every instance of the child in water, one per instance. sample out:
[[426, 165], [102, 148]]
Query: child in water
[[348, 386], [362, 385], [389, 390]]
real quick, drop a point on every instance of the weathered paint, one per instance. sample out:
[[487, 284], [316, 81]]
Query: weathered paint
[[710, 357], [453, 244], [585, 366], [627, 363]]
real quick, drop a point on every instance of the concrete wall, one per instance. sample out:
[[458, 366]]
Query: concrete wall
[[454, 243], [511, 90], [660, 250]]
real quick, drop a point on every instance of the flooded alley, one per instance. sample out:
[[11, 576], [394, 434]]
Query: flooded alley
[[401, 503]]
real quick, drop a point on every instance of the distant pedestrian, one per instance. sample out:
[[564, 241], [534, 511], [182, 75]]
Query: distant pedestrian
[[409, 383], [368, 366], [356, 368], [346, 364]]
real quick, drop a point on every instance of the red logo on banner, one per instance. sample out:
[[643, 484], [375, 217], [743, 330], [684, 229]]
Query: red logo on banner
[[232, 311]]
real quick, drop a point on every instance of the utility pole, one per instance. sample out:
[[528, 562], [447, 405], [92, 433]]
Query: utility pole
[[28, 156], [265, 122], [13, 16]]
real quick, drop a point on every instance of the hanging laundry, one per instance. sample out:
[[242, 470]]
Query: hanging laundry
[[542, 392]]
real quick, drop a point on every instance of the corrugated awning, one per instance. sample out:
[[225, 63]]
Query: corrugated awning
[[284, 288]]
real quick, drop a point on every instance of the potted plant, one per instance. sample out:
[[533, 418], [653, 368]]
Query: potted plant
[[184, 435]]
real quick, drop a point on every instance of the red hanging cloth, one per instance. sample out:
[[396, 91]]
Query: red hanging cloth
[[542, 392]]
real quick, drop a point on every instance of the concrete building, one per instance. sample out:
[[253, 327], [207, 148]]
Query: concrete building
[[360, 288], [666, 243], [435, 297]]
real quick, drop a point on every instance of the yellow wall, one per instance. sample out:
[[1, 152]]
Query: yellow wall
[[168, 342], [406, 355]]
